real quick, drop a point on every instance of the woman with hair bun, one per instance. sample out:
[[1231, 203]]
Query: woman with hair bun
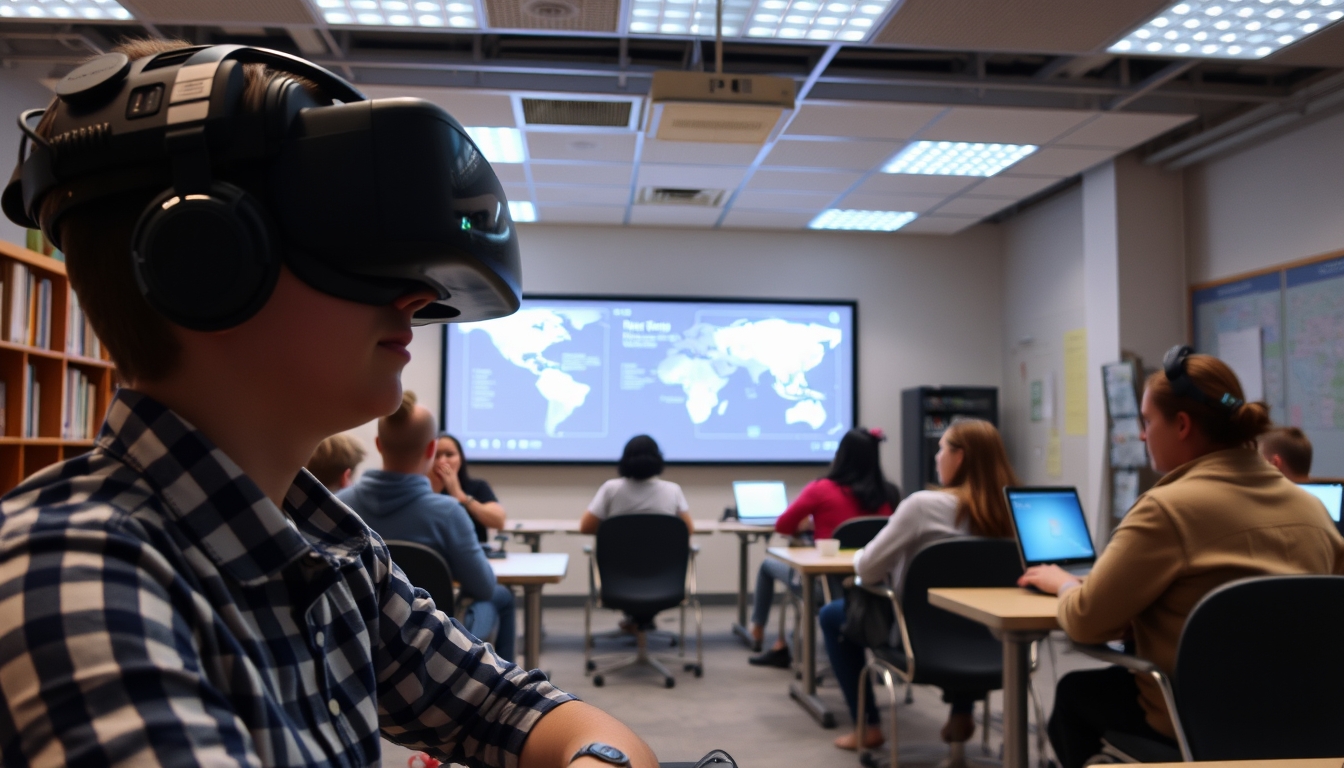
[[1219, 513]]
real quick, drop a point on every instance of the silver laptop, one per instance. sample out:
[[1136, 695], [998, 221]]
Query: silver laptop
[[1051, 528], [760, 502]]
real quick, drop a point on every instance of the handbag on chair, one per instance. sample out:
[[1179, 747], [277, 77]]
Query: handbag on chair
[[869, 618]]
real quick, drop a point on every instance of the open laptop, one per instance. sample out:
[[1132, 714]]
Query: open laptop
[[1330, 494], [760, 502], [1051, 528]]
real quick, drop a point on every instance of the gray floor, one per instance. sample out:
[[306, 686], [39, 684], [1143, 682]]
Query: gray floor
[[743, 709]]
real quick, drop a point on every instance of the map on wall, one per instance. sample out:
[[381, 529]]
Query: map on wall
[[1255, 302]]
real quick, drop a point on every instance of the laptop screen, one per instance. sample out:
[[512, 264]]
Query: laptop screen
[[760, 501], [1050, 525], [1330, 494]]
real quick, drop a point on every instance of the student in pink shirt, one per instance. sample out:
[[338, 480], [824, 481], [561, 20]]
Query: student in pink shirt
[[853, 487]]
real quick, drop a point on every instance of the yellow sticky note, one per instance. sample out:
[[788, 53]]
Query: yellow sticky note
[[1054, 460], [1075, 382]]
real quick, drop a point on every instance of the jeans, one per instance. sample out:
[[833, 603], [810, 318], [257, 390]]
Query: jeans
[[1091, 702], [771, 571], [483, 616]]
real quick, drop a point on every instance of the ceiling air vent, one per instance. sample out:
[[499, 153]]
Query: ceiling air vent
[[613, 114], [708, 198]]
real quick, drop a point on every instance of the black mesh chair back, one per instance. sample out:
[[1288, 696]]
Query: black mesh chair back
[[951, 652], [856, 532], [1260, 670], [426, 569], [642, 561]]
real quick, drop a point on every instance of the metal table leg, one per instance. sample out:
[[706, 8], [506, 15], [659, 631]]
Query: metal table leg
[[744, 540], [531, 626], [1016, 677], [806, 694]]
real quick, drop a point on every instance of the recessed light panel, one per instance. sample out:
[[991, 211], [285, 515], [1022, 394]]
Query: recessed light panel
[[1230, 29], [522, 210], [455, 14], [851, 20], [957, 158], [63, 9], [865, 221], [499, 145]]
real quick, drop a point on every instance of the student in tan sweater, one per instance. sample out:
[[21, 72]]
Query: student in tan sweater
[[1219, 513]]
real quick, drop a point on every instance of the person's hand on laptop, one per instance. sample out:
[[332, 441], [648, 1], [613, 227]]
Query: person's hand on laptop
[[1050, 579]]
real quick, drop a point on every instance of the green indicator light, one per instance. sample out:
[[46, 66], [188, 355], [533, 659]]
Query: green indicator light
[[466, 223]]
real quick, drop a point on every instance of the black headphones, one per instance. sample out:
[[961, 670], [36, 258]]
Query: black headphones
[[365, 200], [1173, 363]]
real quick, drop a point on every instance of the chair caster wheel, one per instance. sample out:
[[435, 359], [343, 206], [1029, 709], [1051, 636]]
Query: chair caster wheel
[[696, 668], [867, 759], [589, 665], [669, 683], [598, 681]]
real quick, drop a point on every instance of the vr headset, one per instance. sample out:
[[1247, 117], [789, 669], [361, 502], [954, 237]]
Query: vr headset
[[365, 200]]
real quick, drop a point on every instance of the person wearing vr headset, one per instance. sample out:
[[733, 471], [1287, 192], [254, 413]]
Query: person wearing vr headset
[[1217, 503], [252, 240]]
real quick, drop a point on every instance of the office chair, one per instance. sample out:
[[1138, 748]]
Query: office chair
[[642, 564], [427, 569], [937, 647], [1258, 675]]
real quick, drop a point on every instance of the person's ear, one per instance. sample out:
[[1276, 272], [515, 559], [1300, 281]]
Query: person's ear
[[1185, 426], [346, 478], [429, 449], [378, 443], [1277, 461]]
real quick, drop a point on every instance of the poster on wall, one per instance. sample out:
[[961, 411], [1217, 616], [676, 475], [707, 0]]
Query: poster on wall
[[1253, 302]]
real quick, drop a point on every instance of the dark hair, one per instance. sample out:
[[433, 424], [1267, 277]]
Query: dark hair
[[858, 466], [641, 459], [463, 476], [1227, 427], [1291, 445]]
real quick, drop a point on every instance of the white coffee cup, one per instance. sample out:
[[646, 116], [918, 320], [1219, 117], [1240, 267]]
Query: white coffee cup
[[828, 547]]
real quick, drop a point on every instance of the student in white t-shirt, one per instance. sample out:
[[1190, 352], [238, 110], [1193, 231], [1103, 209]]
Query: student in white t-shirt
[[638, 489]]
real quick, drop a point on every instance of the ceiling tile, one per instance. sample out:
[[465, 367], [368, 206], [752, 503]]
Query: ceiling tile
[[915, 184], [976, 206], [574, 173], [823, 181], [583, 195], [237, 13], [517, 192], [767, 219], [553, 15], [510, 173], [1062, 161], [863, 201], [479, 109], [690, 176], [1004, 185], [600, 147], [676, 215], [939, 225], [581, 214], [1122, 130], [698, 153], [1004, 125], [770, 200], [859, 155], [1061, 26], [869, 120]]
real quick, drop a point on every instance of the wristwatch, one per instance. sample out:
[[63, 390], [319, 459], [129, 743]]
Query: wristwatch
[[604, 752], [468, 498]]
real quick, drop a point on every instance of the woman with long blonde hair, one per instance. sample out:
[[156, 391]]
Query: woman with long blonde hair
[[973, 468]]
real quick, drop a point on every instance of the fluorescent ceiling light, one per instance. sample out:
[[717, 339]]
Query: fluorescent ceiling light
[[63, 9], [499, 145], [522, 210], [453, 14], [957, 158], [850, 20], [1230, 29], [866, 221]]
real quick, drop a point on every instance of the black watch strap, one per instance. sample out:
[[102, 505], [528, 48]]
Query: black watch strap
[[604, 752]]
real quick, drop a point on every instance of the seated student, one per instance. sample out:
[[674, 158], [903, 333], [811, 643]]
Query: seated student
[[638, 489], [334, 461], [1219, 513], [184, 593], [973, 469], [397, 502], [450, 477], [853, 487], [1289, 450]]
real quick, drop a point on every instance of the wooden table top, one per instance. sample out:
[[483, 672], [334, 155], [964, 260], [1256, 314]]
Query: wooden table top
[[531, 568], [809, 561], [1308, 762], [1006, 608], [571, 526], [734, 526]]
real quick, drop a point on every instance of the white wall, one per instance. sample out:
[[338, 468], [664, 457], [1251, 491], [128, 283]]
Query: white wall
[[19, 90], [929, 313]]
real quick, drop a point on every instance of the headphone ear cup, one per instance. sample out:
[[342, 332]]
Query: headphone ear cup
[[205, 262]]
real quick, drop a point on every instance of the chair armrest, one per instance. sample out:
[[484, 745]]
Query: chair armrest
[[1109, 655]]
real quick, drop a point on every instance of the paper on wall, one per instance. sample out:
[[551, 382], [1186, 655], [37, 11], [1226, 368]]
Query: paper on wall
[[1075, 382], [1054, 455], [1242, 352]]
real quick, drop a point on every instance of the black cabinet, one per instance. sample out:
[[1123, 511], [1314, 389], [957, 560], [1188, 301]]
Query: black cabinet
[[925, 414]]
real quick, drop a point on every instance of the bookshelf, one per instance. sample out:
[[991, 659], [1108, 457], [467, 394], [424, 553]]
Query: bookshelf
[[55, 378]]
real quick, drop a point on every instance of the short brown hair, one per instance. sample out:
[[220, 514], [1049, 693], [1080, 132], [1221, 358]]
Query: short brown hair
[[1291, 445], [333, 457], [1226, 427], [96, 240], [984, 472], [403, 434]]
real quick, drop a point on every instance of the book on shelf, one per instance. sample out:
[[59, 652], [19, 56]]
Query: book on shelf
[[78, 411], [27, 306], [79, 336], [4, 408], [31, 417]]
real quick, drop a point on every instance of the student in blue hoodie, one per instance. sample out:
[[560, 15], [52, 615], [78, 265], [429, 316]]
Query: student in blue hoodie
[[398, 502]]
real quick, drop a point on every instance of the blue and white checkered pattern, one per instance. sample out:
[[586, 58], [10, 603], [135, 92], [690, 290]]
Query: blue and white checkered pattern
[[157, 609]]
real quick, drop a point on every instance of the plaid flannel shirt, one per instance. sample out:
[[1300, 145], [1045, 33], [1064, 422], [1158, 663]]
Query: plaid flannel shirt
[[157, 609]]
